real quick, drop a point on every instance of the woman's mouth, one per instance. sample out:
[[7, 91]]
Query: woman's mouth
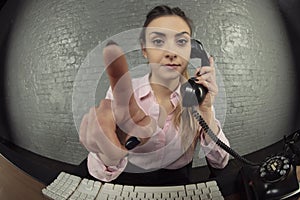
[[171, 66]]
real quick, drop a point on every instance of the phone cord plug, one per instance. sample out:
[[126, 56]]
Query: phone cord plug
[[206, 128]]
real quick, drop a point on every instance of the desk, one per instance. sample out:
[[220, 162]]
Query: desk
[[16, 184]]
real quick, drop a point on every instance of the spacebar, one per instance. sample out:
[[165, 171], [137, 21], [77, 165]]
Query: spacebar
[[158, 189]]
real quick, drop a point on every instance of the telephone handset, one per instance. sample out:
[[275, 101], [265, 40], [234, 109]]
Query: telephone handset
[[195, 93], [275, 178]]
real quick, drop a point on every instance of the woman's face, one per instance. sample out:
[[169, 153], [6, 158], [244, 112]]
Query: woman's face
[[167, 46]]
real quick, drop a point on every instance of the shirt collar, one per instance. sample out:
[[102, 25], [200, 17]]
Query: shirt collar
[[145, 88]]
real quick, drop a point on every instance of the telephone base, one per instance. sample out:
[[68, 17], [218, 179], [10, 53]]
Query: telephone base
[[291, 194], [253, 188]]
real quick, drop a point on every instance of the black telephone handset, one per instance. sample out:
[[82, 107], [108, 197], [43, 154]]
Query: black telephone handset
[[275, 178], [194, 93]]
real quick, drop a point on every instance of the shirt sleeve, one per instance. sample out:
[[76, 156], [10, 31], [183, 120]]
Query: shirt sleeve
[[217, 157], [104, 173]]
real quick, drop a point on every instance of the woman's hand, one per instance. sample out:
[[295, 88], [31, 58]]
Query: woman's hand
[[98, 134], [206, 76], [105, 129]]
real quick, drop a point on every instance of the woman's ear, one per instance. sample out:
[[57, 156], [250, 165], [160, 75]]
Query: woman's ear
[[144, 51]]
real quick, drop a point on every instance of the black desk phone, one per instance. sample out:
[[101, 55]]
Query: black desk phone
[[275, 178]]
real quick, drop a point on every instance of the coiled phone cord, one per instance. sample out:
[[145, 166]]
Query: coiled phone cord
[[206, 128]]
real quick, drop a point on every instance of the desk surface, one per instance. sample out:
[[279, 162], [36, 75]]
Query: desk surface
[[16, 184]]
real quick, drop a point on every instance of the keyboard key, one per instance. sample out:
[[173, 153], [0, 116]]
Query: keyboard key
[[87, 189], [211, 183], [191, 187]]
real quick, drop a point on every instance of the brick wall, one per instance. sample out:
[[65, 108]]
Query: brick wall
[[50, 41]]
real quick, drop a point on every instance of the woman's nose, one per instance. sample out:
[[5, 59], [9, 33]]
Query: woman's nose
[[170, 55]]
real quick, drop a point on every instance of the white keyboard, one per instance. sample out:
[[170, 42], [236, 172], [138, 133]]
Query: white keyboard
[[67, 186]]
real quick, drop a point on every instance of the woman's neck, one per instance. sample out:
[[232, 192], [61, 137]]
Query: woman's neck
[[163, 89]]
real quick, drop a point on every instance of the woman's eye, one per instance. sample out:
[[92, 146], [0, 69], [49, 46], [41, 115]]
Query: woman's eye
[[182, 42], [158, 42]]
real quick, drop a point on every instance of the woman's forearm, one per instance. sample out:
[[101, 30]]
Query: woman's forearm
[[209, 118]]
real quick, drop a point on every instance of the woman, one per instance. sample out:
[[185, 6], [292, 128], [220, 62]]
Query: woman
[[167, 133]]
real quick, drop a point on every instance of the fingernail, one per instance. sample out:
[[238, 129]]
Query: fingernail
[[111, 42], [132, 142]]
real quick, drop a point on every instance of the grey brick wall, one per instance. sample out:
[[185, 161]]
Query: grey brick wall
[[51, 39]]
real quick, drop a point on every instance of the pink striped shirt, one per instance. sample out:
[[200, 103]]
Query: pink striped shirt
[[164, 148]]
